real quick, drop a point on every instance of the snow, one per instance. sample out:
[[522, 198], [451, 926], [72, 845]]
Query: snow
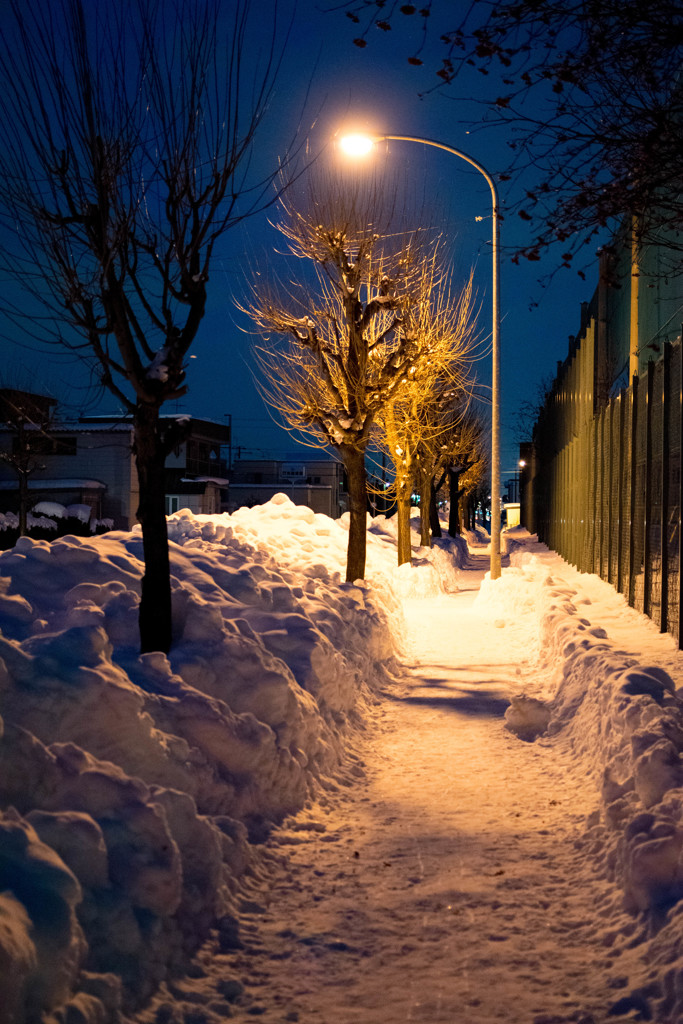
[[10, 521], [158, 368], [50, 508], [428, 796], [81, 512]]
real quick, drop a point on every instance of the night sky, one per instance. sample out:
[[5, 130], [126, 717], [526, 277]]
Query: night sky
[[328, 85]]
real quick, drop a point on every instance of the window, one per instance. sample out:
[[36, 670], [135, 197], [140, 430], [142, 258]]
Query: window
[[198, 457], [64, 446], [172, 503]]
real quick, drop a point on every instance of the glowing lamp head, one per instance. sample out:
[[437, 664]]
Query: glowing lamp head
[[356, 145]]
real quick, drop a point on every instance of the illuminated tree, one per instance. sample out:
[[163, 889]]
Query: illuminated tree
[[126, 135], [412, 426], [464, 463], [352, 334]]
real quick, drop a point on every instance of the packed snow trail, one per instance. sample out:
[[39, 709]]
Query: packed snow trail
[[445, 882]]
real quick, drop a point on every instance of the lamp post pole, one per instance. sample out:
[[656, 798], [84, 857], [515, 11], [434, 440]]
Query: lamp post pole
[[362, 144]]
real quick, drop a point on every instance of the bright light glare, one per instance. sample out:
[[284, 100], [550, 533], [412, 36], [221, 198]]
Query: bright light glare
[[356, 145]]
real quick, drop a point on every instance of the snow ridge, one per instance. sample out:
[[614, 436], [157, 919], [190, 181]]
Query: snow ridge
[[133, 787], [130, 785]]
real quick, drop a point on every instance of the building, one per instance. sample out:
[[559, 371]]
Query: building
[[90, 462], [316, 482]]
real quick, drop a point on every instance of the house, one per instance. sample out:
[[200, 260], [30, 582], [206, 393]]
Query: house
[[90, 462], [318, 483]]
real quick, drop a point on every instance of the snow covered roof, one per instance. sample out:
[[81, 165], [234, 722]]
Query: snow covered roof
[[221, 481], [76, 427], [281, 486], [121, 422], [68, 483], [196, 485]]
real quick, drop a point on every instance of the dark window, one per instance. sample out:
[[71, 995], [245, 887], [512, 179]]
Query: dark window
[[65, 445], [41, 444], [198, 459]]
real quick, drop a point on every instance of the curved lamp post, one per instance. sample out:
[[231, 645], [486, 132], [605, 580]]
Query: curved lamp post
[[361, 145]]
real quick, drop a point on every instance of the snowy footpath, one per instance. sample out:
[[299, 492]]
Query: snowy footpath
[[451, 877], [426, 796]]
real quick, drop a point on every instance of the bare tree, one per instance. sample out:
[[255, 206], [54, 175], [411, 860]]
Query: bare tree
[[591, 89], [412, 424], [464, 462], [529, 410], [397, 444], [353, 335], [28, 420], [126, 134]]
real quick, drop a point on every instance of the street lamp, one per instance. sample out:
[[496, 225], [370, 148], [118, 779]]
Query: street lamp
[[522, 464], [360, 145]]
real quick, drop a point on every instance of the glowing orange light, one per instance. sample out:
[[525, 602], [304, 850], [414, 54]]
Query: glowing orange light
[[356, 145]]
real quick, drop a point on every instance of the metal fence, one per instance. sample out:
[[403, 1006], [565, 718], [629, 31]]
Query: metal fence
[[609, 499]]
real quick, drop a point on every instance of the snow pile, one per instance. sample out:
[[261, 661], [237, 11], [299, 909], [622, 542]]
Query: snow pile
[[626, 723], [50, 508], [432, 571], [527, 717], [622, 717], [131, 784], [41, 942]]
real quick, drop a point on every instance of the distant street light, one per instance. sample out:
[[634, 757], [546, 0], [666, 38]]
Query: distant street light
[[358, 145], [521, 464]]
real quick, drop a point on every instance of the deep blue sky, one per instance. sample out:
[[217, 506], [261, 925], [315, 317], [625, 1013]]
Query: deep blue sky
[[376, 89], [328, 84]]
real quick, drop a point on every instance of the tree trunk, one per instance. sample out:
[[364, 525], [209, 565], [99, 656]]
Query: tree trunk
[[22, 467], [23, 504], [403, 521], [155, 600], [468, 516], [354, 463], [425, 532], [434, 522], [454, 520]]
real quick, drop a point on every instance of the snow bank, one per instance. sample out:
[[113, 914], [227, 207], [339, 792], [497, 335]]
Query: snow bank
[[131, 786], [431, 571], [626, 724], [623, 719]]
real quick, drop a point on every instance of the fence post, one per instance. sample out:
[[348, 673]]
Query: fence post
[[664, 514], [586, 477], [600, 487], [620, 493], [632, 496], [647, 540], [680, 491], [610, 492]]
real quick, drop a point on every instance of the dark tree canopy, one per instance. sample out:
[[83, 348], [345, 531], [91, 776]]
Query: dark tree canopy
[[591, 93]]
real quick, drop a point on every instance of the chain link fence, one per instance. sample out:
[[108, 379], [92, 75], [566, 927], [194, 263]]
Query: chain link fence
[[606, 493]]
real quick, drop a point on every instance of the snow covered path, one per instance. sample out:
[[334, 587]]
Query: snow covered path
[[443, 882]]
